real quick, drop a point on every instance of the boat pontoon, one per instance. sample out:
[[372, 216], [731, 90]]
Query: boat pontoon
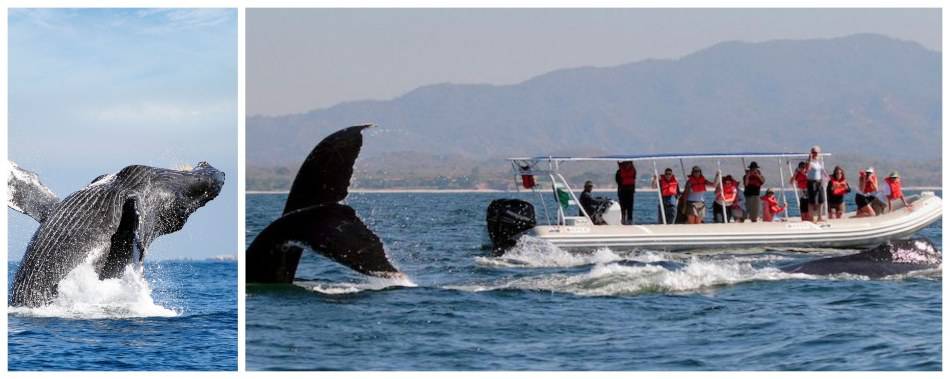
[[509, 219]]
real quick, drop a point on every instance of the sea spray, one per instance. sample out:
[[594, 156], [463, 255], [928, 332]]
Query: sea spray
[[82, 295]]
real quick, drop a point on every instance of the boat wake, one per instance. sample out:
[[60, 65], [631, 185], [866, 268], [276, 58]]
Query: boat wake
[[639, 272], [343, 288], [537, 253], [81, 295]]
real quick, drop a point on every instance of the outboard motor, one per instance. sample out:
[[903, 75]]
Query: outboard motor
[[506, 218]]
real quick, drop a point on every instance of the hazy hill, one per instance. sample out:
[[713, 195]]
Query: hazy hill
[[861, 95]]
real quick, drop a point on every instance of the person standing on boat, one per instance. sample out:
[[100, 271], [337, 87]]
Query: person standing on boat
[[626, 178], [816, 175], [891, 190], [752, 182], [866, 193], [696, 203], [837, 188], [725, 198], [800, 181], [669, 191]]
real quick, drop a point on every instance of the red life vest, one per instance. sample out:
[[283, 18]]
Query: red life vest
[[895, 185], [729, 188], [628, 175], [697, 184], [753, 181], [839, 187], [870, 184], [668, 187], [801, 180], [528, 181]]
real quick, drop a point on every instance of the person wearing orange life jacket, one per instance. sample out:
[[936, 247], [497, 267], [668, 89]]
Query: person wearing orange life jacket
[[726, 195], [626, 178], [752, 183], [696, 203], [669, 191], [891, 190], [770, 206], [800, 181], [866, 193], [837, 188]]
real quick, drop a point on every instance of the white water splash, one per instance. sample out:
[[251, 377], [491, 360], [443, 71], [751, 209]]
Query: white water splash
[[81, 295], [615, 279], [371, 284]]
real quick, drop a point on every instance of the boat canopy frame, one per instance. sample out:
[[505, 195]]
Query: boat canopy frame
[[522, 166]]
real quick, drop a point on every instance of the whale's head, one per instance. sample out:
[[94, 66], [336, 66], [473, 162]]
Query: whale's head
[[167, 197]]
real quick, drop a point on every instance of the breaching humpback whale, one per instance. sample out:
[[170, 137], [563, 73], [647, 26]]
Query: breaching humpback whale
[[889, 258], [314, 218], [115, 217]]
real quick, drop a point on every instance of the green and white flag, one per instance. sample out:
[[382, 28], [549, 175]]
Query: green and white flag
[[563, 197]]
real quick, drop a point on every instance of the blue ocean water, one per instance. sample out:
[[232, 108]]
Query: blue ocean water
[[538, 308], [178, 315]]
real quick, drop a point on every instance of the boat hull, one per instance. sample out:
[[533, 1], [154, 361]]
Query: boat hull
[[847, 232]]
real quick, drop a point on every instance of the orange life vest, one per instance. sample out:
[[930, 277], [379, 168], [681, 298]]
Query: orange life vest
[[729, 188], [628, 175], [697, 184], [895, 185], [839, 187], [870, 184], [770, 207], [668, 187]]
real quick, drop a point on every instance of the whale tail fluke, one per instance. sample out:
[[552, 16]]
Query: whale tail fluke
[[27, 194], [314, 219]]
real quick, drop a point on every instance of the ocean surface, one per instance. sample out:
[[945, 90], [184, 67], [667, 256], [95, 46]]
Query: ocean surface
[[173, 315], [539, 308]]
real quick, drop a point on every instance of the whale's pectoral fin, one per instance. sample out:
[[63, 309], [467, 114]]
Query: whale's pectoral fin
[[325, 175], [26, 194], [126, 246], [332, 230]]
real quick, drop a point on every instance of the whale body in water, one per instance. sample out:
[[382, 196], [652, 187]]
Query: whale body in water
[[116, 217], [889, 258]]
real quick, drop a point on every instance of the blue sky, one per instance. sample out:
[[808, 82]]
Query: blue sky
[[304, 59], [94, 90]]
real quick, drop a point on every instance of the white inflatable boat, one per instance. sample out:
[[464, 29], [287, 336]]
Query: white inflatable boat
[[508, 222]]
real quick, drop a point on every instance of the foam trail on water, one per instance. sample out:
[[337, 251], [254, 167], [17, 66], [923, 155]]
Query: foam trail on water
[[81, 295], [371, 284], [616, 279]]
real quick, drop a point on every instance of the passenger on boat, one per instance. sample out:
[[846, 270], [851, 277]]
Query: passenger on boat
[[626, 178], [725, 198], [586, 198], [816, 175], [770, 206], [738, 209], [752, 181], [800, 181], [669, 191], [696, 203], [837, 188], [892, 191], [866, 193]]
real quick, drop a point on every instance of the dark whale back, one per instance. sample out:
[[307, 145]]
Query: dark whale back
[[889, 258], [111, 217], [313, 218]]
